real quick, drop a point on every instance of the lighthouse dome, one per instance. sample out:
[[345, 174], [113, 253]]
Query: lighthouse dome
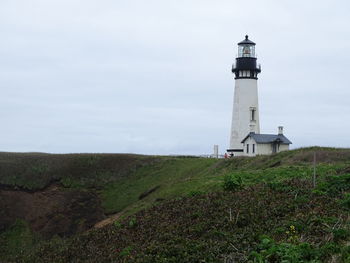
[[246, 41]]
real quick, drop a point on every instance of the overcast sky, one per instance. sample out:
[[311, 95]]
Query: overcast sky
[[153, 77]]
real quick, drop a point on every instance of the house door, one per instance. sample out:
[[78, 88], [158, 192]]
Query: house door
[[274, 148]]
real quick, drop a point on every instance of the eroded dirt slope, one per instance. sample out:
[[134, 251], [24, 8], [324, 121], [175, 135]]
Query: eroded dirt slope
[[54, 210]]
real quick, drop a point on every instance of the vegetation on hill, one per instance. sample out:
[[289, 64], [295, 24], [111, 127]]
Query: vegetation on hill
[[35, 171], [264, 222], [178, 209]]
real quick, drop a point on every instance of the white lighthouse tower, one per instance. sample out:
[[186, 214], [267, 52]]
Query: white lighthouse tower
[[245, 116]]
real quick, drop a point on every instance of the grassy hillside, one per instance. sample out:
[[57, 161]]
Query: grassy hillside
[[175, 177], [35, 171], [175, 209], [267, 222]]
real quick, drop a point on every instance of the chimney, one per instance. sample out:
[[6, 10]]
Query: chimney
[[280, 130]]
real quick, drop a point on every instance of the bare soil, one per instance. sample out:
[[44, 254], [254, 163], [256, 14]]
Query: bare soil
[[55, 210]]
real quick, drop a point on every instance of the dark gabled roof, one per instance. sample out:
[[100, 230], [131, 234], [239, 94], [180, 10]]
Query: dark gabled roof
[[268, 138], [246, 41]]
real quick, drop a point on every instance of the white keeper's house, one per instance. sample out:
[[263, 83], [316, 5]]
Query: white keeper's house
[[245, 138]]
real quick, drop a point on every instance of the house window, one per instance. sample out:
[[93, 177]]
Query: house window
[[253, 148], [247, 148]]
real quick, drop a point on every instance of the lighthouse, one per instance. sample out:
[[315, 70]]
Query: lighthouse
[[245, 115], [245, 137]]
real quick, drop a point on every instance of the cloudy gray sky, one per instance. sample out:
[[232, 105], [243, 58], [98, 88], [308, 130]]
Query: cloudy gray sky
[[154, 76]]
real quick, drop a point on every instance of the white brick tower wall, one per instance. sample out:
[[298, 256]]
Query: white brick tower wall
[[245, 101]]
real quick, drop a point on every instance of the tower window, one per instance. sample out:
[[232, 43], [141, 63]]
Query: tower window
[[246, 50], [253, 150], [247, 148], [252, 114]]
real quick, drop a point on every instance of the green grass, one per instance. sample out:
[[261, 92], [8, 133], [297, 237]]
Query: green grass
[[35, 171], [175, 177], [267, 225], [182, 177], [16, 239], [120, 180]]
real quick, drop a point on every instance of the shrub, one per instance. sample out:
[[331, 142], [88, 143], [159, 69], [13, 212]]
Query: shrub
[[126, 252], [340, 234], [345, 253], [132, 222], [232, 182], [280, 187], [16, 239], [329, 249], [195, 193], [345, 202], [270, 251], [117, 224], [335, 185]]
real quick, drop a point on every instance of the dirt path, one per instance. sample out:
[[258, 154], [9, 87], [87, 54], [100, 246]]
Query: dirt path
[[107, 221]]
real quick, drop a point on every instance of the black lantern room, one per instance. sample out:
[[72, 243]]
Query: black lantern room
[[246, 66]]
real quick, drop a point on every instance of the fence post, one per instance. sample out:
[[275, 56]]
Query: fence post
[[314, 175]]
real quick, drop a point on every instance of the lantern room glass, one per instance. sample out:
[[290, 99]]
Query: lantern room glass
[[246, 51]]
